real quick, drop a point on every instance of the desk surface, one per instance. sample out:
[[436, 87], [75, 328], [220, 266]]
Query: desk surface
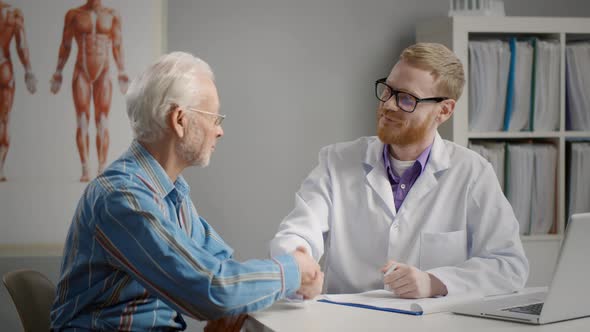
[[318, 316]]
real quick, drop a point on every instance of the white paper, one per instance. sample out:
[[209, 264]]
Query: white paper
[[386, 299]]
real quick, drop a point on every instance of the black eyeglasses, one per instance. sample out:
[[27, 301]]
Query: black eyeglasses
[[407, 102]]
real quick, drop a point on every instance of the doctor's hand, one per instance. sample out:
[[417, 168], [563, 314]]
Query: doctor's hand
[[310, 273], [412, 283]]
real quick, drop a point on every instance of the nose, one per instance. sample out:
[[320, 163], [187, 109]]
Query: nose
[[219, 131], [390, 105]]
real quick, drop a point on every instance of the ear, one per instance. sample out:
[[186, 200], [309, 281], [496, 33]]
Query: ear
[[446, 110], [177, 121]]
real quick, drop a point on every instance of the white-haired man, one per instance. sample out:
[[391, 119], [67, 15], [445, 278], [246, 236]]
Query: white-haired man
[[138, 255]]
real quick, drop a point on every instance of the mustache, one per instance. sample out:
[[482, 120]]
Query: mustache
[[388, 114]]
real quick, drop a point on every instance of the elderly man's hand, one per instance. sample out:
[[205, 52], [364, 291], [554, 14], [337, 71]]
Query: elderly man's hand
[[312, 278], [231, 323], [308, 267], [412, 283], [313, 288]]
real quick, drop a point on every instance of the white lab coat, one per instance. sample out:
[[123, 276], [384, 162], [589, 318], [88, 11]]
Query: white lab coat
[[455, 222]]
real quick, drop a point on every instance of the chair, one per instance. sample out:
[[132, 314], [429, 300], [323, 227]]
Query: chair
[[33, 295]]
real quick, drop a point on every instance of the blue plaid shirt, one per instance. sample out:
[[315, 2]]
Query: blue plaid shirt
[[138, 255]]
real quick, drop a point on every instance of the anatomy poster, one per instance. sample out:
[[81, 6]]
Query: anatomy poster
[[65, 66]]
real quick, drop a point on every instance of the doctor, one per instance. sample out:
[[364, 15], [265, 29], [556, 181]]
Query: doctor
[[426, 212]]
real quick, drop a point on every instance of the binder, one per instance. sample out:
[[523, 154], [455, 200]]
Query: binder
[[494, 152], [518, 100], [577, 86], [579, 178], [543, 204], [519, 171], [546, 105], [488, 78], [510, 85], [531, 178]]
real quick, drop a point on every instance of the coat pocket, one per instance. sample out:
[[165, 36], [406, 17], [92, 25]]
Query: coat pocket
[[442, 249]]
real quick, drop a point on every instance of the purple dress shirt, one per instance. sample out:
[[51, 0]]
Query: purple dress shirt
[[401, 185]]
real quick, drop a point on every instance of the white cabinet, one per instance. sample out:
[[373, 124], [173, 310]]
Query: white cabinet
[[455, 33]]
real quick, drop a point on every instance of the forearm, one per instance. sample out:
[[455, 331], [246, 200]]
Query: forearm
[[118, 56], [304, 226], [490, 275], [63, 55], [252, 285], [182, 272], [23, 52]]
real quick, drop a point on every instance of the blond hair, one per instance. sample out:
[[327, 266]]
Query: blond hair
[[442, 63]]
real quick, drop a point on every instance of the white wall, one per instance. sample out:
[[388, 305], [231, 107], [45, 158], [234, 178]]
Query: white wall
[[293, 76]]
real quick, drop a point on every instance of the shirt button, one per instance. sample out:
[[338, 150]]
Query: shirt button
[[403, 186]]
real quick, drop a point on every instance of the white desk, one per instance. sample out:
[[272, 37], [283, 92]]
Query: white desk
[[318, 316]]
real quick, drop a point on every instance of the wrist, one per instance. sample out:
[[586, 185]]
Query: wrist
[[437, 287]]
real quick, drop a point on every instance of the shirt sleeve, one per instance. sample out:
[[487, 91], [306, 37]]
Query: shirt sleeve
[[131, 229], [309, 220], [204, 234]]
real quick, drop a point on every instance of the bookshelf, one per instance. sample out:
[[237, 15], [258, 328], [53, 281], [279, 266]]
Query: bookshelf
[[455, 33]]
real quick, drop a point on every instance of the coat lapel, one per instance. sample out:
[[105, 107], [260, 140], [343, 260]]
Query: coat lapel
[[377, 176], [437, 164]]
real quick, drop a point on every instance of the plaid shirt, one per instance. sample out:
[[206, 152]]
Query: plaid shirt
[[138, 255]]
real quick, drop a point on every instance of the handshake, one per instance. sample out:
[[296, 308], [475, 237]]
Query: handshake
[[312, 278]]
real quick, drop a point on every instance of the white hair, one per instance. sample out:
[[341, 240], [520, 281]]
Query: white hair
[[172, 80]]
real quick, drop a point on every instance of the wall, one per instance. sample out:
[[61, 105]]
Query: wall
[[293, 76]]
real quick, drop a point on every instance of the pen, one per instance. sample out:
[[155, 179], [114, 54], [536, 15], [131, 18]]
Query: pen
[[391, 269]]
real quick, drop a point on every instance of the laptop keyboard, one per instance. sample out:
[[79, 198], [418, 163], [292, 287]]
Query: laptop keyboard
[[531, 309]]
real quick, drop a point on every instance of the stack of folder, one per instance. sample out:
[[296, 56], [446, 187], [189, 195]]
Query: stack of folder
[[527, 174], [488, 75], [494, 153], [579, 178], [518, 101], [546, 79], [531, 175], [577, 56], [514, 86]]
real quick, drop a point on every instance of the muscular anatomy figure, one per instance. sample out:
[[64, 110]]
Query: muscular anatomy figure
[[11, 26], [96, 29]]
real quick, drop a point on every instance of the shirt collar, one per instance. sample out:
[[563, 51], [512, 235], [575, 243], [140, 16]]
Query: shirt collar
[[422, 160], [157, 176]]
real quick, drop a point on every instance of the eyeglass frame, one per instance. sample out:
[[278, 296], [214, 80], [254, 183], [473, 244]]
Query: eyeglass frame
[[219, 117], [396, 93]]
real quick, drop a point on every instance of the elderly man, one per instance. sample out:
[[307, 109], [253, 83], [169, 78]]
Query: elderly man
[[138, 255], [408, 210]]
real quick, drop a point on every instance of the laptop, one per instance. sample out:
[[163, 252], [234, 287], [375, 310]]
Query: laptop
[[568, 296]]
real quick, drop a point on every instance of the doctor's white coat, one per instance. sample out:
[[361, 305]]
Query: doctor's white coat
[[455, 222]]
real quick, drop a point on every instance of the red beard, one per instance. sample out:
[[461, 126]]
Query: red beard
[[402, 132]]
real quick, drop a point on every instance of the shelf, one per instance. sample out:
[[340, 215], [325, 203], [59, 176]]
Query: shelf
[[577, 134], [545, 237], [515, 134]]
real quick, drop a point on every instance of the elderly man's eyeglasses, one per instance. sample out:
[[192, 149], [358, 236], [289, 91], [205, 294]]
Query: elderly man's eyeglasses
[[407, 102], [219, 117]]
